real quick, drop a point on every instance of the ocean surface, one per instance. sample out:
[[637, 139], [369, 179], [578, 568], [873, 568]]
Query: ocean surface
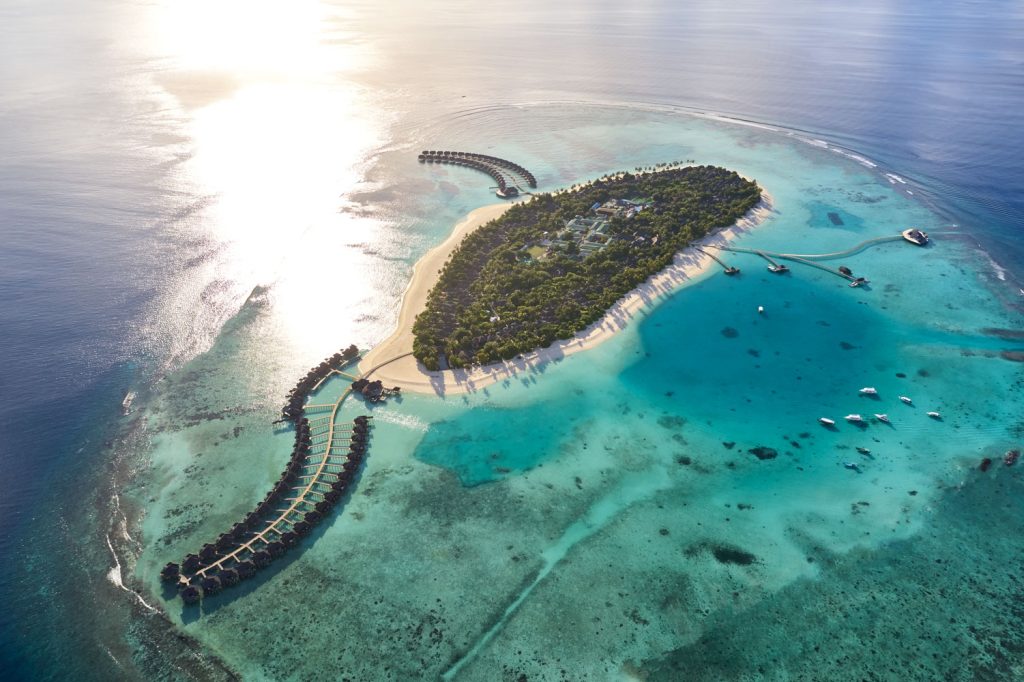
[[200, 201]]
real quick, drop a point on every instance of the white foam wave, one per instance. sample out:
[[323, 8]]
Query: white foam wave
[[997, 268], [115, 577], [893, 178], [862, 160]]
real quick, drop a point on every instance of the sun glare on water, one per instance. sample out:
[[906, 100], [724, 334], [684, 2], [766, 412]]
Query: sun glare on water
[[277, 136]]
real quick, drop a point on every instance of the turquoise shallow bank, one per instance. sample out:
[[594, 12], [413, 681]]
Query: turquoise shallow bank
[[606, 515]]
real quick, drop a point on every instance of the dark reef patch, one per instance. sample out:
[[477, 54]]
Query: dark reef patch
[[727, 554], [729, 332], [763, 452]]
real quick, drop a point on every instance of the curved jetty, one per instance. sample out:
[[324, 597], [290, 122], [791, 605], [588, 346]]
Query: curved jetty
[[325, 460], [507, 174]]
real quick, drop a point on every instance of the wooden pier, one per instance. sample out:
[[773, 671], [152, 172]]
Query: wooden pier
[[728, 269], [325, 461], [510, 176], [812, 258]]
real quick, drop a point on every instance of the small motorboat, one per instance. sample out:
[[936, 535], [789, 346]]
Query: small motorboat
[[1011, 457], [907, 400], [868, 390], [855, 418], [760, 309], [852, 465], [935, 415], [883, 418], [863, 451], [915, 236], [826, 421]]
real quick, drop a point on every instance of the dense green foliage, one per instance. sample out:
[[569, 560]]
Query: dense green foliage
[[540, 301]]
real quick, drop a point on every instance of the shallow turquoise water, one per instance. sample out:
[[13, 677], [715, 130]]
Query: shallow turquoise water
[[588, 499]]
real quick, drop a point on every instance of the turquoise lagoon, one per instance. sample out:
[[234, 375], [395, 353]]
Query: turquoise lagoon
[[603, 517]]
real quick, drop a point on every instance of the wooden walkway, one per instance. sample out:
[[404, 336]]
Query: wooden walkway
[[326, 456], [729, 270], [811, 258], [300, 504], [506, 173]]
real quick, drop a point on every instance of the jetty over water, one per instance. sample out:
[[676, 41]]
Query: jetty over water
[[812, 258], [325, 461], [510, 176]]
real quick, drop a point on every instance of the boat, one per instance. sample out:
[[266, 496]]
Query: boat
[[855, 418], [935, 415], [845, 270], [852, 465], [915, 236], [826, 421], [126, 404], [760, 309], [1011, 457], [857, 282], [780, 268], [863, 451], [883, 418], [868, 390], [907, 400]]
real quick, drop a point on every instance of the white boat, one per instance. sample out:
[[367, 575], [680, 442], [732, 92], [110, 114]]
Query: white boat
[[868, 390], [863, 451], [907, 400], [126, 404], [826, 421], [853, 466], [882, 418], [935, 415], [760, 309], [854, 418]]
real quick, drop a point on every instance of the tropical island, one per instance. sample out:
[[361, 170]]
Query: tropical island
[[549, 268]]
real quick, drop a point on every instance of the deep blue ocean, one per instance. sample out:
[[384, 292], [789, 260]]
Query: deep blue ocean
[[138, 211]]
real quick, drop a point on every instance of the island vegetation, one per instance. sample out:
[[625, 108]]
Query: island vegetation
[[550, 267]]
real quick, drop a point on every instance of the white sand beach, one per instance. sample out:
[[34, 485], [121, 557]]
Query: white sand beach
[[410, 375]]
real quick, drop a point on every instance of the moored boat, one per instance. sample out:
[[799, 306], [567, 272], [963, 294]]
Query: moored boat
[[1011, 457], [915, 236], [863, 450], [882, 418], [907, 400], [868, 390], [826, 421], [935, 415], [855, 418]]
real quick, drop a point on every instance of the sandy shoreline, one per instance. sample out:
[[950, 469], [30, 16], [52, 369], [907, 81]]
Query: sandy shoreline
[[412, 376]]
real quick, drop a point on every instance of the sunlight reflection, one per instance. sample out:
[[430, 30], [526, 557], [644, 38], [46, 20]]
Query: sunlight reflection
[[277, 136]]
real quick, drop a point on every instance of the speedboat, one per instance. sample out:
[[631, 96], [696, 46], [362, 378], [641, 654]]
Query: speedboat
[[826, 421], [868, 390], [852, 465], [882, 418], [863, 451], [855, 418], [907, 400], [915, 236], [1011, 457], [935, 415]]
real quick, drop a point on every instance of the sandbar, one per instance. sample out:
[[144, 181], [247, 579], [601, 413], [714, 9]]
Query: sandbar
[[405, 372]]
